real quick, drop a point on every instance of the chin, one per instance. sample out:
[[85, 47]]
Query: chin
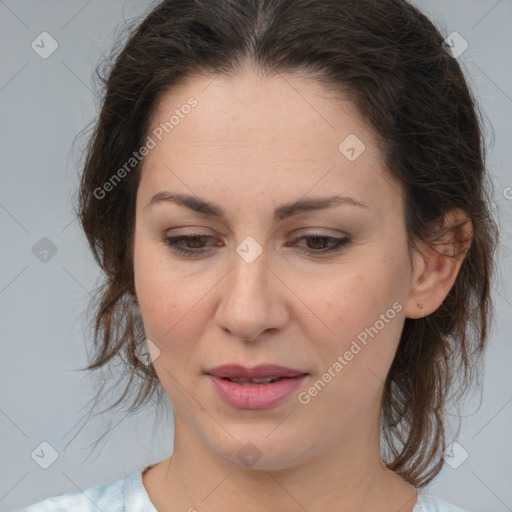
[[259, 451]]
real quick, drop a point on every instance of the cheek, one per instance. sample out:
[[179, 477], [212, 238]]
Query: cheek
[[167, 302], [358, 349], [342, 303], [357, 316]]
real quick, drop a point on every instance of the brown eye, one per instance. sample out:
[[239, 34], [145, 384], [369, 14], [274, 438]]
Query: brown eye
[[317, 244], [196, 241], [194, 244], [322, 244]]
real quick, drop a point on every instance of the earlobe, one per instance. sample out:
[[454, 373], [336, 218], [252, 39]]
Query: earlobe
[[438, 264]]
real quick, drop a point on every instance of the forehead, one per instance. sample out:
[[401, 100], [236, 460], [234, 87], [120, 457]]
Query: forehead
[[284, 136]]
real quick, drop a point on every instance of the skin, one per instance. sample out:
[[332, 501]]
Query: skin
[[251, 144]]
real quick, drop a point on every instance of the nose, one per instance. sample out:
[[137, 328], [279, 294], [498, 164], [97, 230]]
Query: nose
[[253, 299]]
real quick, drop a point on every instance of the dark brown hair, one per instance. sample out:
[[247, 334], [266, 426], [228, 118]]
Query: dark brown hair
[[389, 59]]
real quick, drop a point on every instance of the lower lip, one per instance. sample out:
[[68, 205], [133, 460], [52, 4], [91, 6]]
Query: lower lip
[[261, 396]]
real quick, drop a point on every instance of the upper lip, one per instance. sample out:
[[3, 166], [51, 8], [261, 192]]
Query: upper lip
[[257, 372]]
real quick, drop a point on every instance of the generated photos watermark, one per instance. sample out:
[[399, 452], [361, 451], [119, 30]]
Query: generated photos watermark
[[151, 143], [304, 397]]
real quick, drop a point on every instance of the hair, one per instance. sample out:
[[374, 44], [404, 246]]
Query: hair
[[389, 60]]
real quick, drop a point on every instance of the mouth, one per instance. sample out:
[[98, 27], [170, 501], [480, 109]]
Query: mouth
[[260, 387], [261, 374], [255, 382]]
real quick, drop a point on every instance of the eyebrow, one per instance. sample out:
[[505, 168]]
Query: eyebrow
[[282, 212]]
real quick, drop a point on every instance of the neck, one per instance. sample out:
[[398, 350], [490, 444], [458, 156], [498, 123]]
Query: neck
[[347, 476]]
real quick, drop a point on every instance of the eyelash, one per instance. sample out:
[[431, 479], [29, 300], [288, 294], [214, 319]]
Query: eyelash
[[339, 244]]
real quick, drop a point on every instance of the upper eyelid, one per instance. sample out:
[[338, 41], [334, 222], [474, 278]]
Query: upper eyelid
[[296, 233]]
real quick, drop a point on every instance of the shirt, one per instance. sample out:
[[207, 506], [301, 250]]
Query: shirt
[[129, 495]]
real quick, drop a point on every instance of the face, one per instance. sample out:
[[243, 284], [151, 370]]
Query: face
[[321, 291]]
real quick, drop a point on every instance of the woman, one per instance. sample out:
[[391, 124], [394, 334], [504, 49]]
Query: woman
[[288, 198]]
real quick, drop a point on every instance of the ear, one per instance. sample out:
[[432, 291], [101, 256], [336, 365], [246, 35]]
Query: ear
[[436, 267]]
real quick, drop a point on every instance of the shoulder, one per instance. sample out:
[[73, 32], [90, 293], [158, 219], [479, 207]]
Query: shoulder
[[429, 503], [107, 497]]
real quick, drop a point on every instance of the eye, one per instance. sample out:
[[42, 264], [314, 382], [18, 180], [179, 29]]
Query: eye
[[195, 241], [319, 243], [195, 244]]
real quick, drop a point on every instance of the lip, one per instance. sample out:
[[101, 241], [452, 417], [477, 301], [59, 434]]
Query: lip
[[257, 372], [256, 396]]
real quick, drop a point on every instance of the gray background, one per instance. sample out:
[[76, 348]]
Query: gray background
[[44, 103]]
